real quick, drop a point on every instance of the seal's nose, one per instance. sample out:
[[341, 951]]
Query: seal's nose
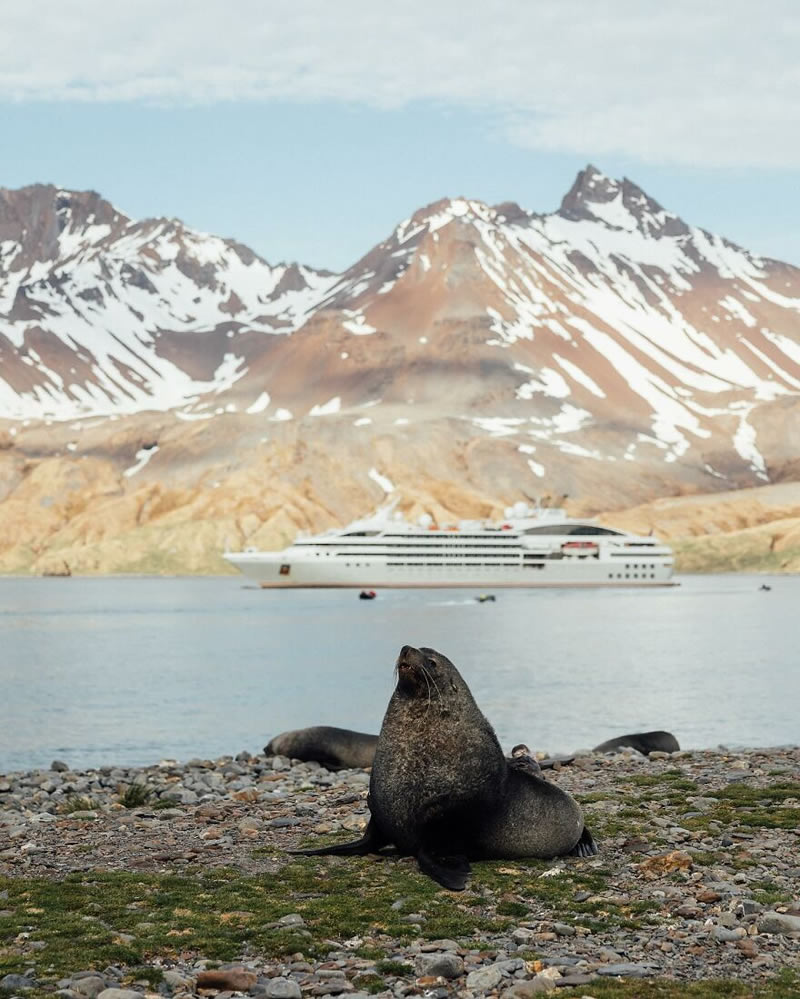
[[409, 657]]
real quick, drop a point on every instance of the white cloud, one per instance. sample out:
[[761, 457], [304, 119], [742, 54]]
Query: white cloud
[[710, 83]]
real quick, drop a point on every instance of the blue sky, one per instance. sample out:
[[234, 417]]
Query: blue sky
[[310, 137]]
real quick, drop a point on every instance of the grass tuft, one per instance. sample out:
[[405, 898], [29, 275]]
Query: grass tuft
[[135, 795], [78, 803]]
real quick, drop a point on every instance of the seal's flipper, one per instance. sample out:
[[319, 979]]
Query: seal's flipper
[[525, 764], [585, 847], [370, 842], [550, 764], [449, 872]]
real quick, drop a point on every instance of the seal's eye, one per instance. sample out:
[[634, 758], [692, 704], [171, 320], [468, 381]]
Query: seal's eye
[[430, 662]]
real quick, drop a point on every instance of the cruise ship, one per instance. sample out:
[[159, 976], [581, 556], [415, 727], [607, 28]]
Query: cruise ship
[[531, 547]]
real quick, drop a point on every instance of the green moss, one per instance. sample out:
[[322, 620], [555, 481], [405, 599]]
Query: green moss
[[394, 968], [785, 986], [153, 976], [742, 806], [215, 914], [370, 983]]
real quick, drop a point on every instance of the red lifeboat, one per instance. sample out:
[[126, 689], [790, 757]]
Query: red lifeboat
[[580, 548]]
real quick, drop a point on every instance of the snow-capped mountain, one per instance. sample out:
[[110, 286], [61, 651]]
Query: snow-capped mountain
[[608, 331], [101, 314]]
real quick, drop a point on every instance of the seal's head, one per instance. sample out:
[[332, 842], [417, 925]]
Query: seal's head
[[427, 674]]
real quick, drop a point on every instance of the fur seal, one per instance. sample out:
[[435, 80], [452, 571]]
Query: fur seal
[[334, 748], [522, 755], [644, 742], [442, 790]]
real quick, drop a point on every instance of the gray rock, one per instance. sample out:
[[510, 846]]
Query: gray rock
[[726, 935], [90, 986], [779, 922], [16, 982], [59, 766], [439, 945], [121, 994], [174, 979], [575, 978], [627, 970], [446, 965], [283, 988], [539, 985], [749, 907], [484, 979]]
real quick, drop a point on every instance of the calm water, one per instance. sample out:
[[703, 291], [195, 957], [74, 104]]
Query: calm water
[[130, 671]]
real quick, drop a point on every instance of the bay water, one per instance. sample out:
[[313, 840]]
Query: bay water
[[128, 671]]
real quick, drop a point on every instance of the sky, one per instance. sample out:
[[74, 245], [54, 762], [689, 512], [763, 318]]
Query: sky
[[308, 131]]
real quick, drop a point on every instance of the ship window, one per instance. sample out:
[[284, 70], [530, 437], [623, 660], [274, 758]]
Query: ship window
[[571, 529]]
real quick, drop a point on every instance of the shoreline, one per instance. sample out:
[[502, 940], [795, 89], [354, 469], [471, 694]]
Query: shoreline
[[697, 880], [172, 764]]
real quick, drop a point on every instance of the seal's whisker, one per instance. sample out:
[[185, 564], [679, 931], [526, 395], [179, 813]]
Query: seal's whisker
[[428, 684], [430, 679]]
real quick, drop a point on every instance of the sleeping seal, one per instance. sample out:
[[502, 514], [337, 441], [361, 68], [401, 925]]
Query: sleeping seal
[[334, 748], [643, 742], [442, 791]]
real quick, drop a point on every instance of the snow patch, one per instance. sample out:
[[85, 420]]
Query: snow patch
[[328, 408], [143, 455], [549, 382], [260, 404], [386, 484], [580, 376], [536, 468], [358, 326]]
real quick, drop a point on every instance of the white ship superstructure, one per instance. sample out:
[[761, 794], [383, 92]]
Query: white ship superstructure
[[542, 548]]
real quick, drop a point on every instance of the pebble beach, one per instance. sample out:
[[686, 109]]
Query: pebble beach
[[175, 880]]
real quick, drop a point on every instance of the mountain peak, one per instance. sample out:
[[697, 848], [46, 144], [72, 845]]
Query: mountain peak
[[42, 219], [621, 204], [447, 209]]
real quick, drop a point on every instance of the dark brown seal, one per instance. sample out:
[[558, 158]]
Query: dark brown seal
[[442, 790], [334, 748], [643, 742]]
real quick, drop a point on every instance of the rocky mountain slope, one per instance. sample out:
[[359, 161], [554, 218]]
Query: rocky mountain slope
[[151, 374]]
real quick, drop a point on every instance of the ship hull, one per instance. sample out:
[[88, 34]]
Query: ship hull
[[271, 572]]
